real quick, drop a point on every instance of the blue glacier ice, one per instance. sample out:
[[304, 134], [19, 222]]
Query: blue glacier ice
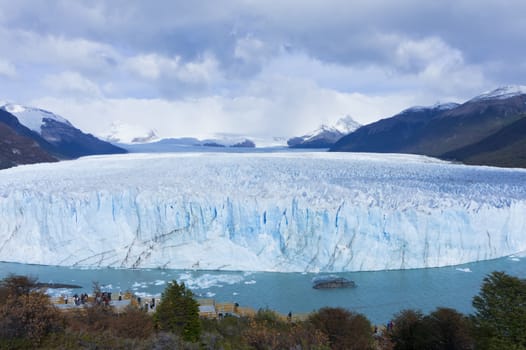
[[260, 212]]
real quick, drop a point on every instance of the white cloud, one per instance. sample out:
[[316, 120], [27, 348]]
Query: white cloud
[[72, 84], [276, 106], [438, 67], [7, 69], [153, 66], [253, 67], [69, 53]]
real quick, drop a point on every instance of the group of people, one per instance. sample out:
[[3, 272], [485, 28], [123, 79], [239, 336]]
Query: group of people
[[101, 298], [147, 304], [78, 299]]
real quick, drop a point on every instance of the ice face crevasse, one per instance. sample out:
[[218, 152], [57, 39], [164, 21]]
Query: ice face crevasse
[[266, 212]]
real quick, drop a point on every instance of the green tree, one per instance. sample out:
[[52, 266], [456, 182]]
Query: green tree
[[500, 317], [178, 312]]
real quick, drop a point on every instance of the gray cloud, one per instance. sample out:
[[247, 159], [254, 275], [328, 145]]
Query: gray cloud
[[410, 50]]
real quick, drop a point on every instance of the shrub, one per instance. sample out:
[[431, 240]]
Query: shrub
[[409, 331], [27, 313], [133, 323], [448, 330], [344, 329]]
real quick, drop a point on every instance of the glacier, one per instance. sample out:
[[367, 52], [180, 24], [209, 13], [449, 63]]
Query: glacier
[[287, 212]]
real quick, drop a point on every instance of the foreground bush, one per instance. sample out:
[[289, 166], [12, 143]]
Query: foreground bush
[[267, 330], [26, 315], [345, 330], [443, 329]]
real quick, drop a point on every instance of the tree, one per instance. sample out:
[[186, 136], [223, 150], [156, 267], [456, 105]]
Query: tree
[[178, 312], [409, 331], [500, 317], [449, 330], [344, 329]]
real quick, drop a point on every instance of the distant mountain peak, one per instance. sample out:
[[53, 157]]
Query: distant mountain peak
[[31, 117], [502, 93], [346, 124], [325, 136], [127, 133]]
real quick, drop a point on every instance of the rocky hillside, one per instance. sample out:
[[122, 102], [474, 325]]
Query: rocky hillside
[[485, 130]]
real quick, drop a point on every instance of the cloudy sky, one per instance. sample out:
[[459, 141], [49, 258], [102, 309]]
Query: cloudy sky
[[260, 68]]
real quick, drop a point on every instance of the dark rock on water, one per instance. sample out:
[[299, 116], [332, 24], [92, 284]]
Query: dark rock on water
[[57, 285], [330, 282]]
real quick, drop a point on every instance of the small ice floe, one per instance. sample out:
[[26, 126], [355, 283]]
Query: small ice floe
[[137, 285], [250, 282], [210, 280], [159, 282], [463, 269], [235, 293], [210, 294]]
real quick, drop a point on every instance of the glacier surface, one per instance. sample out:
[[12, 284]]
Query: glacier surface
[[260, 212]]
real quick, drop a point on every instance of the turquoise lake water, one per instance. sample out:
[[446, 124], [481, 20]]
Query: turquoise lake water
[[378, 295]]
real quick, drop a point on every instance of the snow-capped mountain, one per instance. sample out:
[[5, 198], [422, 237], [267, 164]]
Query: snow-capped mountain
[[268, 211], [20, 145], [325, 136], [34, 118], [63, 139], [502, 93], [489, 129]]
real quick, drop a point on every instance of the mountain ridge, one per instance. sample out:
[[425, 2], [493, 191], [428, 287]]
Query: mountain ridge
[[449, 133], [55, 136], [325, 136]]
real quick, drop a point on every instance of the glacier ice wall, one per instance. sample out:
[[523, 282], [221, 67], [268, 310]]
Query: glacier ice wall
[[271, 211]]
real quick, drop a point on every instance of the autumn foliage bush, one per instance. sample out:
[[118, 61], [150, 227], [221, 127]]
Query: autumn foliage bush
[[26, 314]]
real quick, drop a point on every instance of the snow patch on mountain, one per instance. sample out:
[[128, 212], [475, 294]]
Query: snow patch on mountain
[[439, 106], [32, 118], [502, 93], [326, 134]]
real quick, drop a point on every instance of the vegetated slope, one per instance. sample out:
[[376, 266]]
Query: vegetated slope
[[71, 142], [54, 135], [19, 145], [506, 148], [474, 132], [16, 149], [468, 124], [397, 134]]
